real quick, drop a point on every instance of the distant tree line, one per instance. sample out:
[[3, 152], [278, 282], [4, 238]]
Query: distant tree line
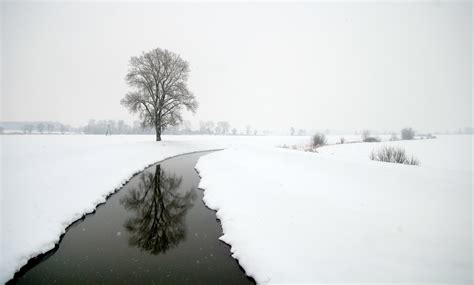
[[219, 128], [111, 127], [45, 128], [114, 127], [301, 132]]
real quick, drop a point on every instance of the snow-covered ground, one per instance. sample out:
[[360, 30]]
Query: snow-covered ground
[[49, 181], [289, 216], [445, 152], [336, 216]]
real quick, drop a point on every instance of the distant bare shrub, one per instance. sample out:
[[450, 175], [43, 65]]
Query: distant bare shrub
[[394, 155], [367, 138], [291, 146], [407, 134], [365, 134], [318, 140], [372, 139], [342, 140]]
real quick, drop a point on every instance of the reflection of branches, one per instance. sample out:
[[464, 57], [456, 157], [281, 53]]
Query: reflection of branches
[[160, 209]]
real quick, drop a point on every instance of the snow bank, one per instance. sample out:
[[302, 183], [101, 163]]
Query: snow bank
[[49, 181], [292, 216]]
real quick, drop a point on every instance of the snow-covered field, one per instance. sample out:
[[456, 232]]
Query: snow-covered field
[[336, 216], [289, 216], [446, 152], [49, 181]]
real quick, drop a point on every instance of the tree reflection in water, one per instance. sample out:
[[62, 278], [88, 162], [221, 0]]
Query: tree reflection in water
[[160, 208]]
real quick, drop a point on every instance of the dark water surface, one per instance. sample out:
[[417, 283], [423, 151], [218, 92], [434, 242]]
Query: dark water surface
[[155, 230]]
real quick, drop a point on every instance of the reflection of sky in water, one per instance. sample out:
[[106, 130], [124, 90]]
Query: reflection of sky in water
[[155, 229]]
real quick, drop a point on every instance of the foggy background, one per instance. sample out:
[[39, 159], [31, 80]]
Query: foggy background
[[346, 66]]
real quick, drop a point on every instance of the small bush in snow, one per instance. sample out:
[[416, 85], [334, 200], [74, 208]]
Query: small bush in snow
[[367, 138], [394, 137], [407, 134], [394, 155], [372, 139], [342, 140], [291, 146], [318, 140], [365, 134]]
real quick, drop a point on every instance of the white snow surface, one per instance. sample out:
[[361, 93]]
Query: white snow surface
[[49, 181], [449, 152], [336, 216]]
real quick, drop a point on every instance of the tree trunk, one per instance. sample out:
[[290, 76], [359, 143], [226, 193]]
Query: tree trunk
[[158, 133]]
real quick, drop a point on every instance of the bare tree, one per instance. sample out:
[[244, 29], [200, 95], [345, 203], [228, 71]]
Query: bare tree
[[121, 126], [50, 127], [248, 130], [211, 127], [218, 130], [202, 127], [159, 82], [206, 127], [63, 128], [28, 128], [292, 131], [365, 135], [319, 139], [223, 127], [234, 131], [40, 127], [186, 127], [407, 134]]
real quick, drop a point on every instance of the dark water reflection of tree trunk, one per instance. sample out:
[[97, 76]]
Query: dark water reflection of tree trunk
[[160, 208]]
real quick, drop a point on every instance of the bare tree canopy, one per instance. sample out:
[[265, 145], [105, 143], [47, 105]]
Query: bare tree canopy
[[407, 134], [222, 127], [159, 82]]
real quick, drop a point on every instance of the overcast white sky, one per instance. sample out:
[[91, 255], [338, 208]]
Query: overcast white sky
[[309, 65]]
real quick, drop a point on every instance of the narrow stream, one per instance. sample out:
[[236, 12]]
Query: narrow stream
[[155, 230]]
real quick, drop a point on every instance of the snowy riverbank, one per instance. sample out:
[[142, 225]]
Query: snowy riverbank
[[336, 216], [49, 181]]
